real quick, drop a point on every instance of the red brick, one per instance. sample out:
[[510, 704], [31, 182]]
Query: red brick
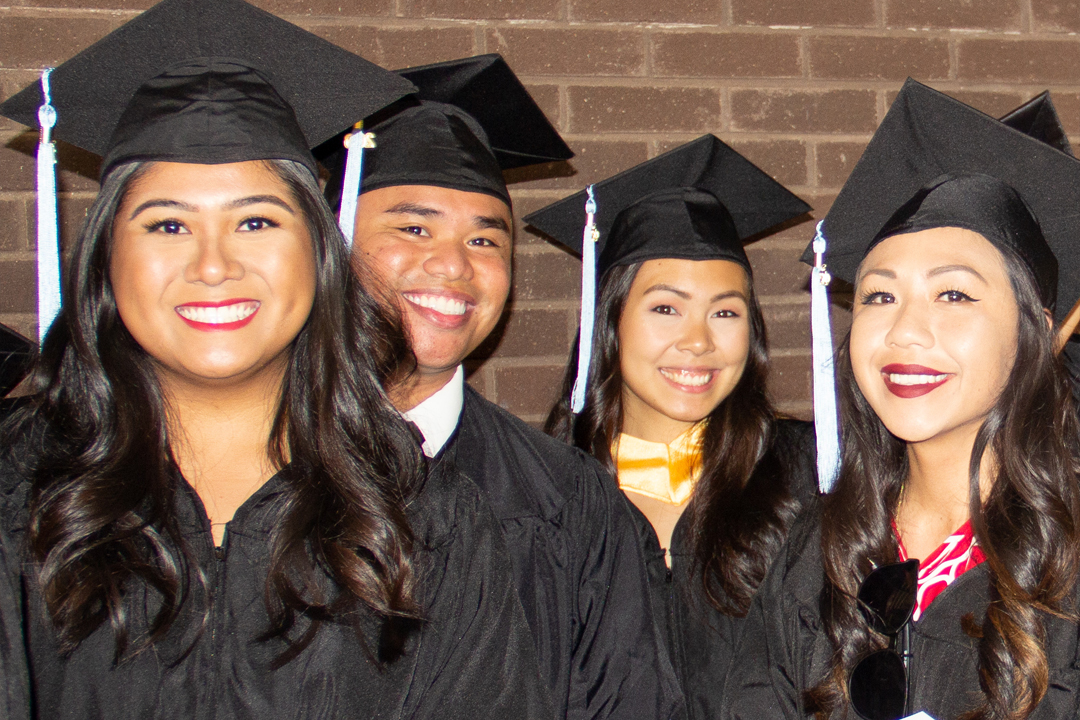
[[547, 276], [593, 160], [96, 4], [35, 42], [1031, 61], [777, 271], [784, 160], [11, 82], [401, 48], [13, 225], [643, 109], [725, 55], [16, 165], [835, 161], [797, 111], [20, 286], [477, 378], [788, 326], [789, 378], [72, 214], [680, 11], [1068, 107], [529, 391], [525, 333], [808, 13], [362, 40], [1056, 15], [878, 58], [954, 14], [361, 8], [523, 205], [536, 51], [483, 9]]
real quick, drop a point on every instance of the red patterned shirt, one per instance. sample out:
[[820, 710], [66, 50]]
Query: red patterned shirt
[[954, 557]]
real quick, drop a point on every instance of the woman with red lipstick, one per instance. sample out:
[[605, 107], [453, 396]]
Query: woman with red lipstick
[[208, 506], [676, 405], [940, 575]]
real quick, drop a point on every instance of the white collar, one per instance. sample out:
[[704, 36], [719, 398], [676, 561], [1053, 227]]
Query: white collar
[[438, 416]]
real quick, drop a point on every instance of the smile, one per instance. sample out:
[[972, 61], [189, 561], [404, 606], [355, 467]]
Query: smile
[[438, 303], [911, 381], [224, 315], [689, 378]]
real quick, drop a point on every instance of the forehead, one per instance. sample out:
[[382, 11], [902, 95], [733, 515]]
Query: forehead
[[928, 251], [193, 179], [694, 277], [444, 202]]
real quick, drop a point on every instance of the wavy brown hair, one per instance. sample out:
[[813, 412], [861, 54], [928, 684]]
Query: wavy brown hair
[[1028, 526], [105, 484], [742, 506]]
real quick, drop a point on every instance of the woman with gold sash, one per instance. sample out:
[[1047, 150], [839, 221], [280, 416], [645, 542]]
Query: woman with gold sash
[[671, 394]]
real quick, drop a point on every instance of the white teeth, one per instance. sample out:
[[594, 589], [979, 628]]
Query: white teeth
[[898, 379], [218, 315], [438, 303], [690, 379]]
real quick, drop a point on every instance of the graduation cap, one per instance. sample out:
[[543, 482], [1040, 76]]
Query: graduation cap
[[198, 81], [15, 355], [699, 201], [470, 120], [1039, 119], [936, 162]]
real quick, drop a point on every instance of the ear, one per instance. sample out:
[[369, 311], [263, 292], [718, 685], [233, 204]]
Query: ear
[[1068, 326]]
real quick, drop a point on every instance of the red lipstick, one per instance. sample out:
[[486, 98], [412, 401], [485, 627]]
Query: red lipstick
[[925, 379]]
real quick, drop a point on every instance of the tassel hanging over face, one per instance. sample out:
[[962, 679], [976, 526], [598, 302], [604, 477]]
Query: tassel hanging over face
[[589, 239], [825, 416], [356, 142], [48, 240]]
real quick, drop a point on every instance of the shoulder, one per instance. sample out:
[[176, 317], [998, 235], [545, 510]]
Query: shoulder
[[448, 508]]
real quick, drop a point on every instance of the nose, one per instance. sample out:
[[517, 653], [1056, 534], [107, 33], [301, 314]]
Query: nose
[[448, 260], [696, 338], [911, 326], [214, 262]]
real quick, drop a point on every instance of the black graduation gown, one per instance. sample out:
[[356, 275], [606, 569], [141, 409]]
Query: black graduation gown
[[473, 657], [784, 651], [700, 640], [577, 563]]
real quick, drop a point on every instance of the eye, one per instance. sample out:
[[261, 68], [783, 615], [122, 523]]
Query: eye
[[415, 230], [665, 310], [482, 242], [725, 314], [876, 298], [254, 224], [956, 296], [169, 227]]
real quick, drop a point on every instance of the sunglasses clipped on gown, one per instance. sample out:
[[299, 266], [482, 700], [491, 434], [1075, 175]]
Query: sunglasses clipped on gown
[[878, 686]]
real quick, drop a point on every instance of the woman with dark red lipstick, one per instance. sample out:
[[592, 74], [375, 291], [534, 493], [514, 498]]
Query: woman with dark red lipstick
[[676, 405], [940, 574], [208, 506]]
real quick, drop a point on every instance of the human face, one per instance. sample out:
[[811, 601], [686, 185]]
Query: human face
[[684, 337], [213, 269], [934, 332], [445, 255]]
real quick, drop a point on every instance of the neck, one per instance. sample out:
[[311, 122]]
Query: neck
[[419, 386]]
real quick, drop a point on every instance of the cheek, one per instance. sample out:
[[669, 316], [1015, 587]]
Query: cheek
[[492, 278], [392, 261], [866, 338]]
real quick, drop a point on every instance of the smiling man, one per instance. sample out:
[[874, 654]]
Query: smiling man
[[435, 225]]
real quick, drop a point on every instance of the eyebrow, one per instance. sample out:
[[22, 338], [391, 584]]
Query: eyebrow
[[491, 222], [231, 205], [956, 268], [686, 296]]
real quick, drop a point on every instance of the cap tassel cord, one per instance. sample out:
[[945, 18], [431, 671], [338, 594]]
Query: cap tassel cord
[[350, 186], [825, 415], [589, 239], [48, 243]]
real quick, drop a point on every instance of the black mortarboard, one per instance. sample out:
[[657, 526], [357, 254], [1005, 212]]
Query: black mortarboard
[[935, 162], [1038, 118], [470, 120], [698, 202], [15, 354], [209, 81]]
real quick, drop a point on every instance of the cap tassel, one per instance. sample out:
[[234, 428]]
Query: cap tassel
[[48, 243], [350, 186], [825, 417], [589, 239]]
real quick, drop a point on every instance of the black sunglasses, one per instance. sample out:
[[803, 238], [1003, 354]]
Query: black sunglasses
[[878, 685]]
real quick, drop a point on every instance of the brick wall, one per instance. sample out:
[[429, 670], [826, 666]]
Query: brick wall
[[796, 85]]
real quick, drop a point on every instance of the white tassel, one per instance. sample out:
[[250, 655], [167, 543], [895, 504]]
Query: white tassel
[[350, 186], [589, 239], [825, 417], [48, 242]]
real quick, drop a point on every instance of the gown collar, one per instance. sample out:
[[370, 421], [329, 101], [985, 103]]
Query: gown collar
[[663, 471], [438, 416]]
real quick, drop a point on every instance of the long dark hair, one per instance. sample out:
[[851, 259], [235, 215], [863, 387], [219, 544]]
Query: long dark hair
[[105, 485], [1028, 526], [735, 529]]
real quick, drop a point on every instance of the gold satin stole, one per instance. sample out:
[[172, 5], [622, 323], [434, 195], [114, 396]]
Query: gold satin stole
[[663, 471]]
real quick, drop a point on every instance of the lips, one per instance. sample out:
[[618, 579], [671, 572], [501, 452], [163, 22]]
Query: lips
[[912, 381], [690, 379], [219, 316], [444, 310]]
